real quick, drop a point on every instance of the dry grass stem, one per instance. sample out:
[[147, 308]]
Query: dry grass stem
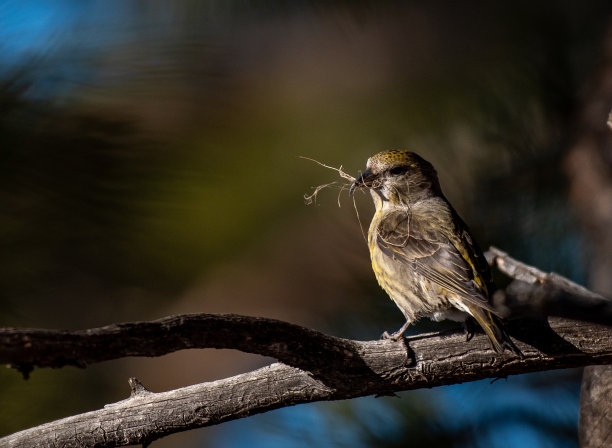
[[312, 198], [340, 171]]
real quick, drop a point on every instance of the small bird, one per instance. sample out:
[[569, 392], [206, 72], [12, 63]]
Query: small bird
[[423, 254]]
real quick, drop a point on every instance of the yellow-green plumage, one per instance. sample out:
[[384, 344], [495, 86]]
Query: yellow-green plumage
[[423, 254]]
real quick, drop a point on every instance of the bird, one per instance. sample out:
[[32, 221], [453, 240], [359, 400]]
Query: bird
[[423, 254]]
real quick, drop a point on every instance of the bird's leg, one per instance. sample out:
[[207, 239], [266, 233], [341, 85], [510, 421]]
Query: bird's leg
[[396, 336], [469, 328]]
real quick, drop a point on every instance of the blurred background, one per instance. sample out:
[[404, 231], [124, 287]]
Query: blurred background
[[150, 166]]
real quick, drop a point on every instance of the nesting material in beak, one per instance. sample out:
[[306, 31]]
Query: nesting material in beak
[[363, 180]]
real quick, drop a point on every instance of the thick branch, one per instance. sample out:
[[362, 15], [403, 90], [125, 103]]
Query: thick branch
[[595, 426], [291, 344], [532, 293], [316, 366], [376, 367], [589, 167], [537, 293]]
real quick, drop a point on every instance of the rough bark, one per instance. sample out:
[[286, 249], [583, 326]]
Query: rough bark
[[354, 369], [533, 293], [538, 293], [314, 366], [595, 397], [589, 167]]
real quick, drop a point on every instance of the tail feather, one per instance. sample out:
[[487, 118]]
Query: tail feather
[[494, 329]]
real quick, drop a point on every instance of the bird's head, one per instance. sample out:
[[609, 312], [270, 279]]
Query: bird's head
[[398, 176]]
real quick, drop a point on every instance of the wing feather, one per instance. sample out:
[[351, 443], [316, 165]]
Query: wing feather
[[434, 255]]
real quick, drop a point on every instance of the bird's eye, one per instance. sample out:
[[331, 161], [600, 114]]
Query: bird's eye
[[398, 170]]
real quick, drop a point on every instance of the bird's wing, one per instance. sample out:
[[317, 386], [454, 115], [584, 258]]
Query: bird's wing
[[433, 255]]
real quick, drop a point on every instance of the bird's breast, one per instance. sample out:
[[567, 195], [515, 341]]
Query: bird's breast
[[412, 293]]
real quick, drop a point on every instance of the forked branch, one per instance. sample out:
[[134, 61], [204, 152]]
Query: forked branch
[[314, 366]]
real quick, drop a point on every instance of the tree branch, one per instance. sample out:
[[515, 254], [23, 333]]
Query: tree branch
[[289, 343], [533, 293], [375, 367], [595, 424], [537, 293], [316, 366]]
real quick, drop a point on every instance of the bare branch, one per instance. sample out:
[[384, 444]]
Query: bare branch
[[595, 426], [375, 367], [537, 293], [543, 294], [292, 344], [314, 367]]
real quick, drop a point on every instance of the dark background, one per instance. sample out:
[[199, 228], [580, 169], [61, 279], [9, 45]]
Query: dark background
[[149, 166]]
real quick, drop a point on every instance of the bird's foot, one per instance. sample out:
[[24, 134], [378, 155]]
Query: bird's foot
[[469, 328], [399, 334], [392, 336]]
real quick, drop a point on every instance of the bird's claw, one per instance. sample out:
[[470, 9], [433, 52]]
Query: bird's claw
[[468, 329], [393, 336], [399, 334]]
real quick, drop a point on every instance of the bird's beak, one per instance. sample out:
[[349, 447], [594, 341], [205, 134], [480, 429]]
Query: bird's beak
[[363, 180]]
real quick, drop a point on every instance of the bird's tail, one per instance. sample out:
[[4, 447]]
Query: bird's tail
[[494, 329]]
